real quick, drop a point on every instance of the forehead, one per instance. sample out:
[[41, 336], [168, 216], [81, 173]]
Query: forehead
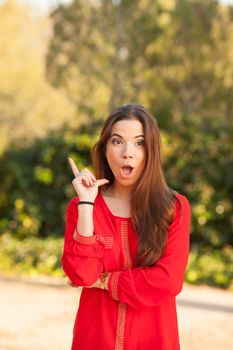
[[132, 127]]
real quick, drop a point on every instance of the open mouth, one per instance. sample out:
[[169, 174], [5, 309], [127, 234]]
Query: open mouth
[[126, 170]]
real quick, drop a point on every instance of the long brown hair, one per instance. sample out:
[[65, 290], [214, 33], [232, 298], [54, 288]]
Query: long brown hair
[[152, 201]]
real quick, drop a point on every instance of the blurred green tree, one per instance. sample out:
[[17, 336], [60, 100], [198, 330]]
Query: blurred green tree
[[103, 49], [176, 58], [28, 104]]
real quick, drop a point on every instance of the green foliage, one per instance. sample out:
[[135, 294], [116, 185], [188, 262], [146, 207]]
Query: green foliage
[[173, 56], [212, 267], [35, 182], [31, 256], [199, 164]]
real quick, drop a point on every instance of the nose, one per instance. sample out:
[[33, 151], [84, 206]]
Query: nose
[[127, 151]]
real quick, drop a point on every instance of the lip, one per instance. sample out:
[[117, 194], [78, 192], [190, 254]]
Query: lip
[[125, 165]]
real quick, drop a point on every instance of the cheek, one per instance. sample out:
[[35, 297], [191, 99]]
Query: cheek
[[143, 158], [111, 157]]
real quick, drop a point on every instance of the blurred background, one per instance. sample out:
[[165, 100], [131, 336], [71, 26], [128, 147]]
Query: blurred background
[[64, 65]]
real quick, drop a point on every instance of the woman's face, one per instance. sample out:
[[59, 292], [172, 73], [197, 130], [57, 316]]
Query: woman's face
[[125, 151]]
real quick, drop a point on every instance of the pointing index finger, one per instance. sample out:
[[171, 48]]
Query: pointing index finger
[[73, 167]]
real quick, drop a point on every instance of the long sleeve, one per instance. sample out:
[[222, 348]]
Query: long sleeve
[[81, 255], [150, 286]]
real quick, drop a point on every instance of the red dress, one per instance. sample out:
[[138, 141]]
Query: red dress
[[139, 310]]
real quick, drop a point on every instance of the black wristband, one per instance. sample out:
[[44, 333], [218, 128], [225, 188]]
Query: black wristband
[[85, 202]]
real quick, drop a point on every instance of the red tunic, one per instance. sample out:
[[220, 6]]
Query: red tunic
[[139, 310]]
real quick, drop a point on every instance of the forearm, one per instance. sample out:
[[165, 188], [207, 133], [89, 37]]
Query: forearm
[[101, 282], [85, 220]]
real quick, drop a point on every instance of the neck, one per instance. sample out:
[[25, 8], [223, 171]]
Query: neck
[[118, 191]]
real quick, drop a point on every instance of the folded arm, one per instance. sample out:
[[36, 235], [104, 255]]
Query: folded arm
[[150, 286]]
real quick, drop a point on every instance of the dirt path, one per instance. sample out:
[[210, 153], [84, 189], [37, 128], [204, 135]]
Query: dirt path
[[40, 317]]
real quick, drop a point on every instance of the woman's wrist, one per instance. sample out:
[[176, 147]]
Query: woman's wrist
[[85, 225], [86, 202]]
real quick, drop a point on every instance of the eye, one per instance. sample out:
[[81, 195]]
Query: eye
[[140, 143], [116, 141]]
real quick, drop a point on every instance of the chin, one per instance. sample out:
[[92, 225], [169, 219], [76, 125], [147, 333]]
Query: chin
[[126, 182]]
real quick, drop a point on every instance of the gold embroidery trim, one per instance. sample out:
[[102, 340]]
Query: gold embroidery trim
[[120, 327], [119, 345], [114, 283], [107, 241], [125, 245]]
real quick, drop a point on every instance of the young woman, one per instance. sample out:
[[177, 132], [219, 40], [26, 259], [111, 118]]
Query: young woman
[[126, 240]]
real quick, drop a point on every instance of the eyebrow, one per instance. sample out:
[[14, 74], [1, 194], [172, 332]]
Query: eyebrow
[[115, 134]]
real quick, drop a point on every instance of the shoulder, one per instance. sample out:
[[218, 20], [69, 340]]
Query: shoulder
[[182, 200], [72, 206], [73, 202], [182, 208]]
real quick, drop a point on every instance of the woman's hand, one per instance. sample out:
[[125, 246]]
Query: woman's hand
[[96, 284], [85, 183]]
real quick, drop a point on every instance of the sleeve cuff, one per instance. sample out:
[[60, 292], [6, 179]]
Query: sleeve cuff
[[113, 284], [106, 241]]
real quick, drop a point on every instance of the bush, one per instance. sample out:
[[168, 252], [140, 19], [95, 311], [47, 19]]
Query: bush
[[36, 182], [31, 256], [212, 267]]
